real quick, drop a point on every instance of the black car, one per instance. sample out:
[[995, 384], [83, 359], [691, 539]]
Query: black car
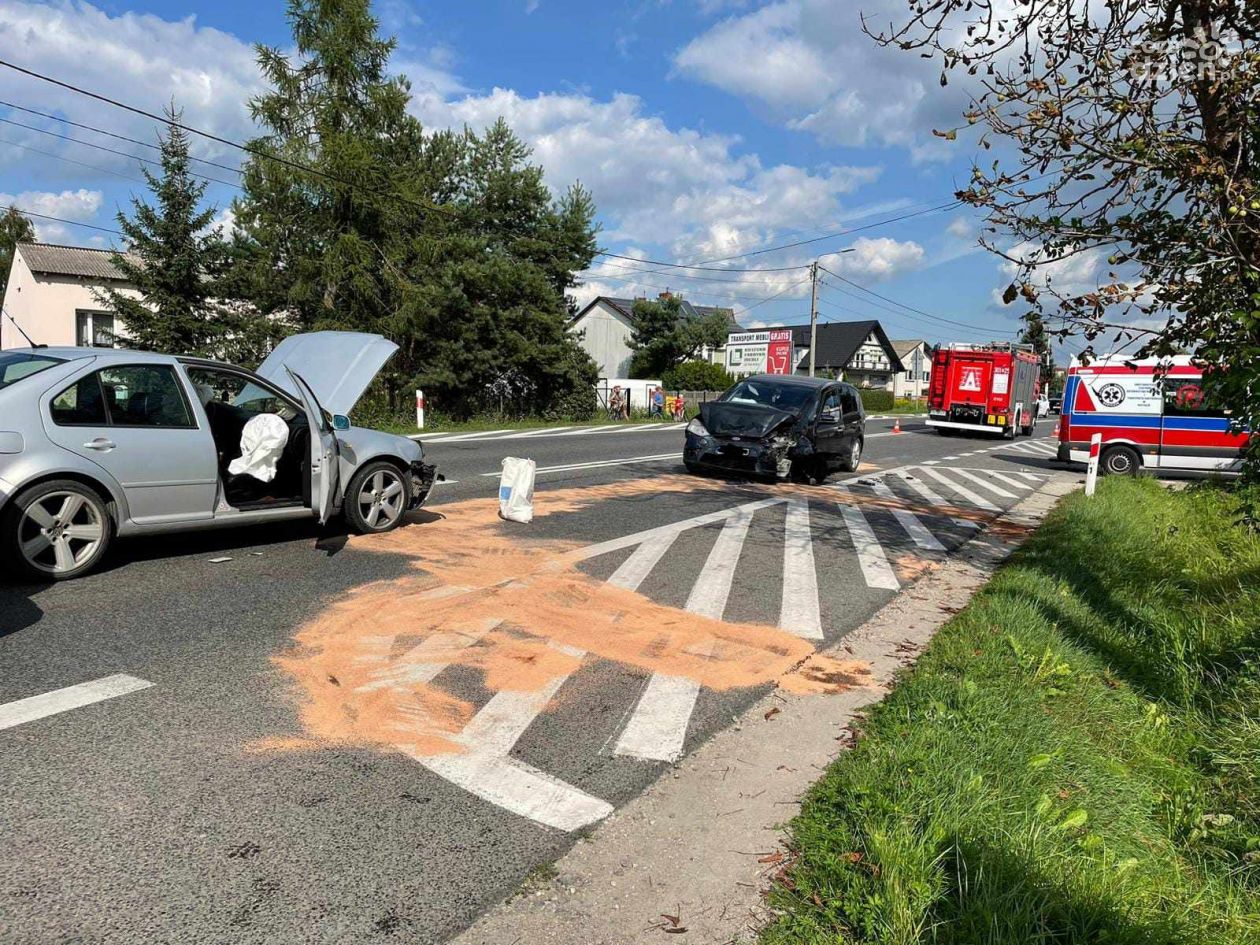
[[1056, 404], [779, 427]]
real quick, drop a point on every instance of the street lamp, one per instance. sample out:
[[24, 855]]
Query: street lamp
[[813, 305]]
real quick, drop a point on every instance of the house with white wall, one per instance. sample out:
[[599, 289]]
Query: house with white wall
[[916, 360], [605, 324], [51, 294]]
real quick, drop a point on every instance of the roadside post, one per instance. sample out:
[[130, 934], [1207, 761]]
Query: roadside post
[[419, 410], [1091, 470]]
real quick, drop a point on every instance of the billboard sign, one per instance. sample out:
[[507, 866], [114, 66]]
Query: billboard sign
[[759, 352]]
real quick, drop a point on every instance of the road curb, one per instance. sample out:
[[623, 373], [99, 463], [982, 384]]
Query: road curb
[[695, 851]]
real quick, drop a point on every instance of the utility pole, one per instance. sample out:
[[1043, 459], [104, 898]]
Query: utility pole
[[813, 314]]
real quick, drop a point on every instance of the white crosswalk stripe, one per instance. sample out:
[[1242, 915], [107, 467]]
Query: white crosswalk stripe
[[870, 553], [1013, 483], [798, 611], [908, 520], [971, 497], [983, 483], [657, 729]]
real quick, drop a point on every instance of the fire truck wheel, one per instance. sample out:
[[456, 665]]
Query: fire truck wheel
[[1009, 432], [1120, 461]]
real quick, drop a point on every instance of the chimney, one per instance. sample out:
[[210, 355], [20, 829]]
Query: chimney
[[666, 295]]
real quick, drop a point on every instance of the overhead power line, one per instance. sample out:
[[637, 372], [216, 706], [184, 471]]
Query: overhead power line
[[101, 147], [210, 136], [910, 308], [111, 134], [670, 265], [58, 157], [45, 216]]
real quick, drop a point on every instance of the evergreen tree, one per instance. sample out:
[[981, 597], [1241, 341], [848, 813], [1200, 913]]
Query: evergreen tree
[[14, 228], [450, 244], [174, 263]]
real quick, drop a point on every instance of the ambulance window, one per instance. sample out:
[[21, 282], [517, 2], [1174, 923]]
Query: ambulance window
[[1185, 397]]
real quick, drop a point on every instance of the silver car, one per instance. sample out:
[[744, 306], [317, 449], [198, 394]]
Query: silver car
[[97, 443]]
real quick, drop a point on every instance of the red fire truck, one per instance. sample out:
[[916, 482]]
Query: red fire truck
[[984, 389]]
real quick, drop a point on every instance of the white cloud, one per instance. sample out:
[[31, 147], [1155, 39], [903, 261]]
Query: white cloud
[[810, 66], [135, 58], [81, 205], [961, 227], [878, 259], [690, 191]]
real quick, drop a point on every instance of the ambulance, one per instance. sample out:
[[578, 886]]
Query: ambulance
[[1152, 414]]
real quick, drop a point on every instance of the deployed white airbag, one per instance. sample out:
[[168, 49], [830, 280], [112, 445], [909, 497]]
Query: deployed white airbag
[[262, 441]]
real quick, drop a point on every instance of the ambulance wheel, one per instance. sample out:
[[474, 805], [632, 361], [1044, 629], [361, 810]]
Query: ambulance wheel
[[1120, 461]]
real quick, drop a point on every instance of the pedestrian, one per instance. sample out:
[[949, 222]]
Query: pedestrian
[[658, 401], [614, 403], [680, 407]]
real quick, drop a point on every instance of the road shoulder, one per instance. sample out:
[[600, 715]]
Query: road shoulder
[[695, 851]]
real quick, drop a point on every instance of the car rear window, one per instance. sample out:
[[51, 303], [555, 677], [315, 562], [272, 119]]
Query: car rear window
[[15, 366]]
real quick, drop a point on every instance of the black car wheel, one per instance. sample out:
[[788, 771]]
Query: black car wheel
[[853, 458], [1120, 461]]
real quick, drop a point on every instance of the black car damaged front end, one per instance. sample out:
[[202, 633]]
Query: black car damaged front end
[[774, 456]]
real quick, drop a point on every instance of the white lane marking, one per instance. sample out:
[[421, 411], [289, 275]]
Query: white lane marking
[[931, 462], [585, 430], [657, 729], [673, 528], [482, 434], [71, 697], [635, 569], [918, 485], [870, 553], [597, 464], [546, 431], [641, 426], [1045, 447], [909, 521], [1013, 483], [799, 610], [949, 457], [978, 501], [1033, 476], [485, 769], [423, 662], [984, 483]]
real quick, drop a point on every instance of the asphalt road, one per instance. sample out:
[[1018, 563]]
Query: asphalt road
[[323, 739]]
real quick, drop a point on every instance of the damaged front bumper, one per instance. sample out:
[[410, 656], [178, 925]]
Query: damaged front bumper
[[423, 476], [771, 458]]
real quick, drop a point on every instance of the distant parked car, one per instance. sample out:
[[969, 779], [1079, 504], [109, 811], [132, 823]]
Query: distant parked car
[[97, 443], [778, 427], [1056, 404]]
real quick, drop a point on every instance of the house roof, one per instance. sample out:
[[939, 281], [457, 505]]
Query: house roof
[[51, 259], [625, 307], [903, 346], [838, 342]]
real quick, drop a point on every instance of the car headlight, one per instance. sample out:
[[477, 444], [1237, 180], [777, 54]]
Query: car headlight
[[696, 428]]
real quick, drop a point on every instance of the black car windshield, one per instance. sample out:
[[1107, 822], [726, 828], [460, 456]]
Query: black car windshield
[[16, 365], [789, 397]]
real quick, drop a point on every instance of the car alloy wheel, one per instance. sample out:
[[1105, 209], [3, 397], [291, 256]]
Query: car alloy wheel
[[60, 533], [382, 499]]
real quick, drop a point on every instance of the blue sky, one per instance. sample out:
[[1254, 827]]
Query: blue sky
[[705, 128]]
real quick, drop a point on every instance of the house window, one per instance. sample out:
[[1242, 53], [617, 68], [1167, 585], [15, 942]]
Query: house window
[[94, 329]]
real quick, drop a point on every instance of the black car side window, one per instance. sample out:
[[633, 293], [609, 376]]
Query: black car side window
[[831, 408], [849, 400]]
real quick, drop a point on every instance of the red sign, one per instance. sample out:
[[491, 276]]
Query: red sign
[[779, 353]]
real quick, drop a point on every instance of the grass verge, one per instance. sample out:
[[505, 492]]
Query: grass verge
[[1075, 758]]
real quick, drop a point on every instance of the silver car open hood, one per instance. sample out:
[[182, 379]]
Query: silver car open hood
[[338, 365]]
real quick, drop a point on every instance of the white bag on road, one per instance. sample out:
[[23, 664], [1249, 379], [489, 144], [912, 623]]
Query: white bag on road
[[516, 490]]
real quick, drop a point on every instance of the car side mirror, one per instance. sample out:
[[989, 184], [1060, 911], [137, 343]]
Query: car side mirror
[[341, 422]]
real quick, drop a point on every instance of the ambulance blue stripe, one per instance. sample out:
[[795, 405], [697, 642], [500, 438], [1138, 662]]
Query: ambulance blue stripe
[[1137, 421]]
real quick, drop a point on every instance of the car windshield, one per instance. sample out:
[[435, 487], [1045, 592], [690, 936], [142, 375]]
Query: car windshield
[[14, 366], [769, 394]]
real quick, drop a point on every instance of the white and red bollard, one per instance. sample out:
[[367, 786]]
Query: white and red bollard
[[419, 410], [1091, 470]]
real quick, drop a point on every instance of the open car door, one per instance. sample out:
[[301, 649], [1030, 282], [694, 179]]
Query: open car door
[[324, 451]]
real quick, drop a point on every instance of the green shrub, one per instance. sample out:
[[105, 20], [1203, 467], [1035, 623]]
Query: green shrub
[[697, 375], [876, 399]]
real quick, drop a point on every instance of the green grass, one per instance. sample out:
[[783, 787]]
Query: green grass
[[1075, 758]]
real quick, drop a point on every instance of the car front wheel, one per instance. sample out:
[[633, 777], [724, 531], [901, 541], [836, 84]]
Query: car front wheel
[[377, 498], [56, 531]]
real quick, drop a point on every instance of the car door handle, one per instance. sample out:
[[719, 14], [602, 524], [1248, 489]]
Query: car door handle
[[100, 444]]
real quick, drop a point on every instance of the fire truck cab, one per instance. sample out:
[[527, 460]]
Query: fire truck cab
[[984, 389], [1152, 414]]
